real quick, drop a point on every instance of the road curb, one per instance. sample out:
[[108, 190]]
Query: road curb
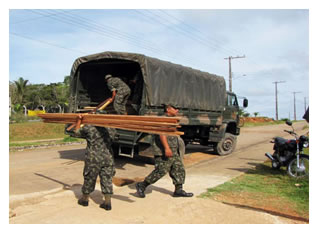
[[52, 144]]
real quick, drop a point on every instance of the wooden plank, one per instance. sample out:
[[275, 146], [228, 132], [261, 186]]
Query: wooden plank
[[176, 133], [135, 122], [147, 124], [110, 116], [136, 117]]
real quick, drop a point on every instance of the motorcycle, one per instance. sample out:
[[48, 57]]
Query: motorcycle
[[289, 153]]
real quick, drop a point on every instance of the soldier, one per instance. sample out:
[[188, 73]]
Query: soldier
[[120, 93], [137, 93], [167, 159], [98, 161]]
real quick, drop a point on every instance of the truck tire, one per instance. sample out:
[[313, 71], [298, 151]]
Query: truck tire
[[226, 145]]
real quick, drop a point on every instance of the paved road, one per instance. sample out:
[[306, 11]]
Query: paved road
[[45, 184]]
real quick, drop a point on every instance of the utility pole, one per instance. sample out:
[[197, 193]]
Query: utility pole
[[305, 104], [294, 103], [276, 85], [230, 72]]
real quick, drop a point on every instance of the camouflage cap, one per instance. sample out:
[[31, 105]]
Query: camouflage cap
[[165, 106], [108, 76]]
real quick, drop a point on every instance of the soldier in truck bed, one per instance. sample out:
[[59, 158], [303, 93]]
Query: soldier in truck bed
[[120, 93], [168, 158]]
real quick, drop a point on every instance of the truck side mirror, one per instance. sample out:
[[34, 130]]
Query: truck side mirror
[[245, 103]]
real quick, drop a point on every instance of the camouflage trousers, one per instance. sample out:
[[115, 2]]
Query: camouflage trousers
[[105, 170], [120, 102], [163, 165]]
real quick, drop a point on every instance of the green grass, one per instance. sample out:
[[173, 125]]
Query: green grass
[[250, 124], [27, 134], [264, 183], [35, 131]]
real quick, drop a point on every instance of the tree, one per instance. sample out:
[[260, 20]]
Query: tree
[[256, 114], [241, 112], [67, 80], [21, 85], [35, 95], [13, 92]]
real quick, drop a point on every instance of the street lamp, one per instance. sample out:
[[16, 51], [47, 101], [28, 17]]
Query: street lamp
[[239, 76]]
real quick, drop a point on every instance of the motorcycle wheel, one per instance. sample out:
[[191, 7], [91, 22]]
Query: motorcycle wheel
[[302, 171]]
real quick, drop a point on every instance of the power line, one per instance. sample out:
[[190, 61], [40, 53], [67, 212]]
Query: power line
[[105, 31], [47, 43], [205, 37], [204, 42], [36, 18], [177, 29]]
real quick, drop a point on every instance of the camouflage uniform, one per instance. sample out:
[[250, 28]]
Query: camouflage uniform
[[137, 93], [122, 95], [163, 164], [98, 159]]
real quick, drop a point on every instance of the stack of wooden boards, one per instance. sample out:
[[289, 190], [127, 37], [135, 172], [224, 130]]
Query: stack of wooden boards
[[147, 124]]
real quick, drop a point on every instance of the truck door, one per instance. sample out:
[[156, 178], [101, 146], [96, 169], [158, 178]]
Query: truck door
[[232, 107]]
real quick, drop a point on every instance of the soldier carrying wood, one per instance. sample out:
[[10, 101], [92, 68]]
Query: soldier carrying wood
[[98, 161], [168, 153]]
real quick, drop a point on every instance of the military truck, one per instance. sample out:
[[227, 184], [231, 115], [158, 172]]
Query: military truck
[[209, 114]]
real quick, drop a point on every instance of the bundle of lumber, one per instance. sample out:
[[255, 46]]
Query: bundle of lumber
[[147, 124]]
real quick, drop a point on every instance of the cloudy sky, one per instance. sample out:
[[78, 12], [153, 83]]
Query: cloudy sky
[[44, 43]]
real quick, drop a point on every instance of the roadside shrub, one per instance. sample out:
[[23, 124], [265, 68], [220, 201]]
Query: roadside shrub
[[70, 139], [20, 117]]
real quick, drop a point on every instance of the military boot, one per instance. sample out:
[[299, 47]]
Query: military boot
[[107, 202], [179, 192], [84, 200], [141, 187]]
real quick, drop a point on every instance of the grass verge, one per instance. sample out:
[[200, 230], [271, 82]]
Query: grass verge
[[67, 139], [35, 131], [267, 190], [38, 134]]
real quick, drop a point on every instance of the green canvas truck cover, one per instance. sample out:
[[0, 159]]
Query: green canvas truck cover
[[168, 83]]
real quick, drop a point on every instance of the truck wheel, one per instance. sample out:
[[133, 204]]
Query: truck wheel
[[226, 145]]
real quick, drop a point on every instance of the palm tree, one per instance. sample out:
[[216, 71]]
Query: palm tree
[[21, 85]]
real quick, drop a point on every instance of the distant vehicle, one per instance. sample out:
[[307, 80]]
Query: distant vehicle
[[209, 113]]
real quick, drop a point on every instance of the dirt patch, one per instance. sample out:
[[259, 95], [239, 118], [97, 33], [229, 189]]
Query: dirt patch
[[258, 119], [194, 158], [120, 182], [189, 160], [274, 205]]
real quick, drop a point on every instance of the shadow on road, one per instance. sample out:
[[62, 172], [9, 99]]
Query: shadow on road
[[264, 170], [267, 211], [149, 190], [120, 161], [96, 196]]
